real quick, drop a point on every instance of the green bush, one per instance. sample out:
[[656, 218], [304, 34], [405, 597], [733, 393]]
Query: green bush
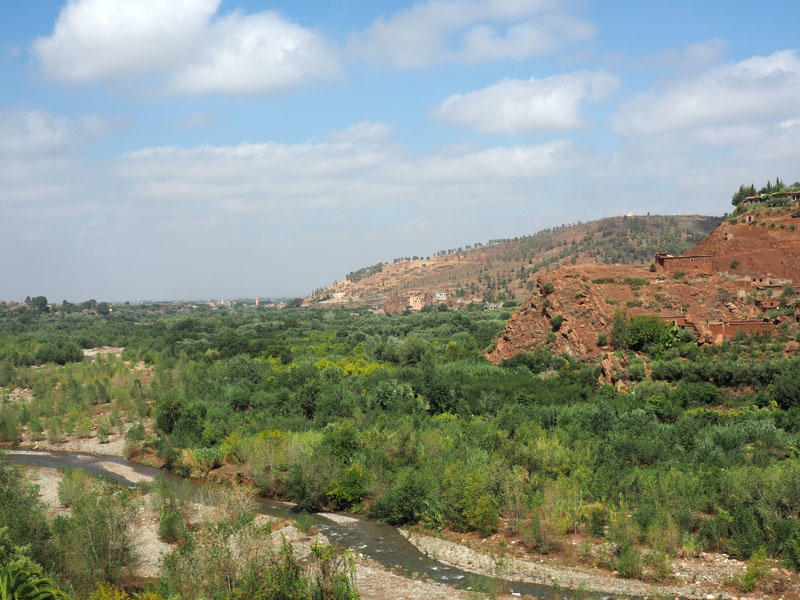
[[305, 522], [556, 322], [307, 483], [406, 500], [22, 516], [598, 520], [629, 563], [757, 569], [94, 543], [171, 526]]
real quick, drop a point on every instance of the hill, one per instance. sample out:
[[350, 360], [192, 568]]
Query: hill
[[506, 269], [738, 279]]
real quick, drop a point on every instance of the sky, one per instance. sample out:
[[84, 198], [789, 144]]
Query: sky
[[192, 149]]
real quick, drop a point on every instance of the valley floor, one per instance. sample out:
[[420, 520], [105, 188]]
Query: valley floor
[[708, 576]]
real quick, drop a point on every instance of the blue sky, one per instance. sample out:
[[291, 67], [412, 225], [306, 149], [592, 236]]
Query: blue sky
[[223, 148]]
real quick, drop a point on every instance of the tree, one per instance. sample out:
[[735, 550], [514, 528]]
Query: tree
[[742, 193], [786, 386], [103, 308], [619, 328], [38, 304]]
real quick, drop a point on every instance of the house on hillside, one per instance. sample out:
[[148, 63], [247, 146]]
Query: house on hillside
[[768, 303], [440, 297], [416, 301], [692, 265], [770, 282]]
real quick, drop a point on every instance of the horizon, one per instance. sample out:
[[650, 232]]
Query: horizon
[[243, 149], [407, 257]]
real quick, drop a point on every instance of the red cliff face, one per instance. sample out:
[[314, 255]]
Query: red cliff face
[[766, 245], [746, 257]]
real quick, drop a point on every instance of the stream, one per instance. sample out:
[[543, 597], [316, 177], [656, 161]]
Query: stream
[[377, 540]]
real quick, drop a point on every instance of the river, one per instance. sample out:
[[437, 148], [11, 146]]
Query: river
[[377, 540]]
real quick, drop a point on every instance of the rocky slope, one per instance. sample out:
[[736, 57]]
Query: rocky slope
[[586, 296], [758, 242]]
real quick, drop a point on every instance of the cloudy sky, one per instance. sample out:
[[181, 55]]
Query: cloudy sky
[[170, 149]]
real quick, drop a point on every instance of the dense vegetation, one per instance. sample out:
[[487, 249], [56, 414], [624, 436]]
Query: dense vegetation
[[402, 417]]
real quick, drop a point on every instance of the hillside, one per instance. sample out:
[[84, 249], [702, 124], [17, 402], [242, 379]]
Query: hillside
[[506, 269], [730, 281]]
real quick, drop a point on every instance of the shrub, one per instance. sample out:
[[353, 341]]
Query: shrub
[[171, 526], [305, 522], [307, 483], [548, 288], [757, 569], [619, 328], [22, 516], [660, 563], [348, 486], [786, 386], [598, 520], [535, 536], [629, 563], [406, 500], [556, 322], [647, 333], [636, 370], [734, 264], [103, 431], [94, 543], [602, 338]]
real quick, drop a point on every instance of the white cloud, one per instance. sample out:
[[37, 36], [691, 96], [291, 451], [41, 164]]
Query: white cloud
[[359, 166], [182, 46], [363, 131], [470, 31], [95, 40], [528, 106], [256, 54], [761, 87], [38, 162], [27, 132]]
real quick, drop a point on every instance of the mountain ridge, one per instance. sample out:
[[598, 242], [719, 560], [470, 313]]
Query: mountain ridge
[[506, 269]]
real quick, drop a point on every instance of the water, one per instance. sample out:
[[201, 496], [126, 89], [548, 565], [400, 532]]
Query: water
[[374, 539]]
